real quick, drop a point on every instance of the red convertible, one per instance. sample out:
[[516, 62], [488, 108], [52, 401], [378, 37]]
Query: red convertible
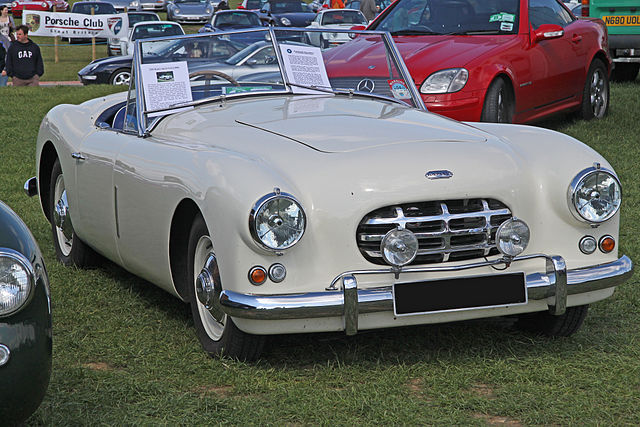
[[42, 5], [501, 60]]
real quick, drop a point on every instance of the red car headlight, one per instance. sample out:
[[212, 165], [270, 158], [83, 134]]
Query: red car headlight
[[445, 81]]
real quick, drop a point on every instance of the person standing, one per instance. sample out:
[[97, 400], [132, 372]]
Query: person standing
[[7, 26], [369, 9], [3, 73], [24, 60]]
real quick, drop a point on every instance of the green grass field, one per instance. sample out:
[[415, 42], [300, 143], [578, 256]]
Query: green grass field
[[125, 352]]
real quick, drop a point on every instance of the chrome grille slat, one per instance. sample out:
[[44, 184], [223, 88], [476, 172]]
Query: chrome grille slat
[[462, 229]]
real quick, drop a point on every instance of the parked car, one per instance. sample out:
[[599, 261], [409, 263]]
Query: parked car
[[355, 4], [17, 6], [288, 13], [25, 321], [232, 20], [114, 46], [124, 5], [622, 19], [152, 5], [207, 193], [335, 19], [252, 4], [116, 70], [501, 60], [149, 29], [189, 11], [87, 8]]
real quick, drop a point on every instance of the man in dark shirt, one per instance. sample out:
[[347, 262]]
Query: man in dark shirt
[[24, 60]]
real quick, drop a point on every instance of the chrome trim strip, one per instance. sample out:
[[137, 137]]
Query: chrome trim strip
[[333, 303]]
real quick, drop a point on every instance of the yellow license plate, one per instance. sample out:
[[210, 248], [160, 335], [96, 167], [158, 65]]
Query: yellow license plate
[[618, 20]]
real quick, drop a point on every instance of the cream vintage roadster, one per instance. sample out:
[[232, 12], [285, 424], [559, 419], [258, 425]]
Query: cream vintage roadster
[[322, 196]]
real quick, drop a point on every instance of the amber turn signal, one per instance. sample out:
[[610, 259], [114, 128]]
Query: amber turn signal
[[607, 244], [257, 275]]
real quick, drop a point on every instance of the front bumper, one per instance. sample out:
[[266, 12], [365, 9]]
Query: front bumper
[[343, 298]]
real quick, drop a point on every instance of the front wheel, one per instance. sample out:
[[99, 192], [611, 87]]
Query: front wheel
[[595, 96], [498, 103], [121, 77], [545, 323], [70, 250], [216, 331]]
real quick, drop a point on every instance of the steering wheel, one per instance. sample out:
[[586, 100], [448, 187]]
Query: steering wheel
[[211, 74]]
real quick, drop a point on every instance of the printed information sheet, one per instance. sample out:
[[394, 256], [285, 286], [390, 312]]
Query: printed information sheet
[[304, 66], [165, 85]]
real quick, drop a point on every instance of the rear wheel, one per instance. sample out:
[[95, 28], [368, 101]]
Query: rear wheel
[[70, 250], [498, 103], [625, 72], [595, 96], [216, 331], [545, 323]]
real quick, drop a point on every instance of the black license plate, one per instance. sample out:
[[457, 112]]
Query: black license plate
[[462, 293]]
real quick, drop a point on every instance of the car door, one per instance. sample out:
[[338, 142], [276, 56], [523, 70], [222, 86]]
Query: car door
[[94, 217], [557, 65]]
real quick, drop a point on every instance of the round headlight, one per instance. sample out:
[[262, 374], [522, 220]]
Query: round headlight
[[399, 247], [512, 237], [277, 221], [595, 195], [16, 281], [45, 5]]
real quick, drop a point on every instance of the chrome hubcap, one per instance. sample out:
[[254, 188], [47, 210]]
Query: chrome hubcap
[[598, 94], [61, 218], [208, 287]]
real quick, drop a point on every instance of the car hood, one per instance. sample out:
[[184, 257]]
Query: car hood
[[192, 8], [426, 54], [313, 122], [298, 19]]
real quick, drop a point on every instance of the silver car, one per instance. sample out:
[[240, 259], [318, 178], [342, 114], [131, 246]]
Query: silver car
[[188, 11]]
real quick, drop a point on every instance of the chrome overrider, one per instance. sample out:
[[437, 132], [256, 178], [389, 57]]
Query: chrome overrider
[[343, 298]]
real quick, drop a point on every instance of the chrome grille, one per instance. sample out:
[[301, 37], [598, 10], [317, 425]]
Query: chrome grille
[[449, 230]]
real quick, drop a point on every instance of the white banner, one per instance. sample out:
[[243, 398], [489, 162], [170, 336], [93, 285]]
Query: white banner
[[75, 25]]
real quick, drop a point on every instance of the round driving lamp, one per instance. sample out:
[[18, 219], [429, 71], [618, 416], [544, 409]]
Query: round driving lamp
[[16, 282], [399, 247], [277, 221], [595, 195], [512, 237]]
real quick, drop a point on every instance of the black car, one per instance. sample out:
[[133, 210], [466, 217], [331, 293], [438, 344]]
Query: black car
[[85, 7], [25, 321], [287, 13], [116, 70], [234, 19]]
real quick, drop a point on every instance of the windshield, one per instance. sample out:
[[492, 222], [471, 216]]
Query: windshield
[[417, 17], [236, 19], [188, 70], [148, 31], [343, 17], [134, 18], [283, 6]]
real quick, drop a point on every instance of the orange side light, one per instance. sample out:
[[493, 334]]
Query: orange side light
[[607, 244], [258, 275]]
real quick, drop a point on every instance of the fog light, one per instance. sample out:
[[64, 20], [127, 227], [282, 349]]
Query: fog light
[[257, 275], [4, 354], [399, 247], [588, 245], [607, 244], [512, 237], [277, 273]]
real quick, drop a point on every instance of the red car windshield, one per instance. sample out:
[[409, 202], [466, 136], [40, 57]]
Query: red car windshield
[[468, 17]]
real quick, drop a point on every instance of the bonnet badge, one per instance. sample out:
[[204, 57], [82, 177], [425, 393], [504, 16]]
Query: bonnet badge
[[441, 174]]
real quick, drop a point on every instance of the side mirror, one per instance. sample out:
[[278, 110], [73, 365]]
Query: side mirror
[[252, 62], [548, 32]]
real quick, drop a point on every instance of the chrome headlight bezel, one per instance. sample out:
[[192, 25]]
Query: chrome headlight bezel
[[258, 209], [17, 259], [513, 237], [577, 183], [450, 80]]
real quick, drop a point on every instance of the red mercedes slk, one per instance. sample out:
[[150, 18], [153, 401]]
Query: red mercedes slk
[[42, 5], [501, 60]]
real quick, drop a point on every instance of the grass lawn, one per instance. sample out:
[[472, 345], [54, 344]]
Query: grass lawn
[[125, 352]]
